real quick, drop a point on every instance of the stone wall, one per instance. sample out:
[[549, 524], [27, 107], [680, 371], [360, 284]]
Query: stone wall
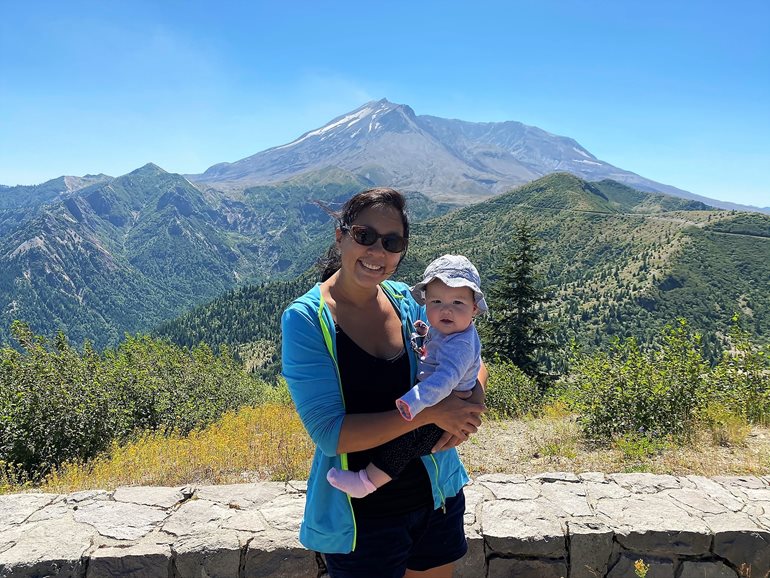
[[553, 525]]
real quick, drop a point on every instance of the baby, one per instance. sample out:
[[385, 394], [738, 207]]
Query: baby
[[450, 359]]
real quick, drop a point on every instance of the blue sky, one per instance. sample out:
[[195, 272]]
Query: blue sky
[[678, 92]]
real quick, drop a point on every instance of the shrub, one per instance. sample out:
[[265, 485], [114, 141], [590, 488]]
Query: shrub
[[727, 427], [510, 393], [60, 405], [741, 380], [168, 388], [53, 406], [626, 390], [639, 447]]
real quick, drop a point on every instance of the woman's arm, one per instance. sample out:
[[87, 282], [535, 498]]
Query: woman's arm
[[363, 431], [449, 439]]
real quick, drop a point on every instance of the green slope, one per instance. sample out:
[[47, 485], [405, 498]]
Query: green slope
[[621, 262], [126, 254]]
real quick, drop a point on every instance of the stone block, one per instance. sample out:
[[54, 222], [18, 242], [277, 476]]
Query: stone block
[[53, 547], [144, 560], [741, 481], [717, 493], [590, 548], [596, 491], [647, 483], [516, 568], [749, 548], [242, 495], [658, 567], [523, 528], [197, 516], [158, 497], [502, 478], [512, 491], [474, 497], [655, 525], [284, 512], [278, 556], [120, 520], [548, 477], [15, 508], [597, 477], [696, 501], [207, 556], [567, 497], [715, 569]]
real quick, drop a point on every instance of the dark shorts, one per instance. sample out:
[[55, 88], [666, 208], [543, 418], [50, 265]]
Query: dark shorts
[[420, 540]]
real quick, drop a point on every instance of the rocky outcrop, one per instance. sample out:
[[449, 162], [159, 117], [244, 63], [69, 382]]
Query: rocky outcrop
[[552, 525]]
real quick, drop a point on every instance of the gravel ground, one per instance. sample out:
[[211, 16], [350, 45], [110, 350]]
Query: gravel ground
[[555, 444]]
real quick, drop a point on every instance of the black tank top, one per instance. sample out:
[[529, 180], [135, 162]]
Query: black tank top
[[372, 385]]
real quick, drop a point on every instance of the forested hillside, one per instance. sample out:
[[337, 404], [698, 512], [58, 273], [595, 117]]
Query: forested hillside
[[620, 263], [100, 257]]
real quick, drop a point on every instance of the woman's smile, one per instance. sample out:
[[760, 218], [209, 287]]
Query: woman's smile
[[370, 266]]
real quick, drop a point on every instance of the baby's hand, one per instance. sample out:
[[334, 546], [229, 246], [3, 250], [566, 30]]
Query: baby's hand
[[463, 394], [421, 328]]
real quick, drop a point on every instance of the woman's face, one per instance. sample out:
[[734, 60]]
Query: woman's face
[[369, 265]]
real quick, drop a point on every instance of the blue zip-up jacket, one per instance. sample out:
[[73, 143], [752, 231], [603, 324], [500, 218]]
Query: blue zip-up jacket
[[309, 354]]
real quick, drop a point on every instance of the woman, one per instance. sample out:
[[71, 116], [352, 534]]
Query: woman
[[346, 360]]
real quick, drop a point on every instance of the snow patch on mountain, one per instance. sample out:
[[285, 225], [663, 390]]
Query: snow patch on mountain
[[348, 120]]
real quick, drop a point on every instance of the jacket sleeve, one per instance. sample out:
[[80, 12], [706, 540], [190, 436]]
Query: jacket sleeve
[[312, 378], [453, 359]]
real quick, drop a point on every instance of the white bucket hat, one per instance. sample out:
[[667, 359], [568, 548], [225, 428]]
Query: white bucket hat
[[454, 271]]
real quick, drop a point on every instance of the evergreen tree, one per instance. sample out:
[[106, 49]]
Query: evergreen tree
[[515, 328]]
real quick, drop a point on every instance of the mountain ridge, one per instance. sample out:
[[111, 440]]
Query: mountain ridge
[[445, 159], [620, 262]]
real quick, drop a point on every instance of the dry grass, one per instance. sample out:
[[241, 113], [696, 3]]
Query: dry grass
[[256, 443], [555, 443], [269, 443]]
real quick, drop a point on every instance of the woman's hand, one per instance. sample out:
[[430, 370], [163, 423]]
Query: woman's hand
[[448, 440], [457, 417]]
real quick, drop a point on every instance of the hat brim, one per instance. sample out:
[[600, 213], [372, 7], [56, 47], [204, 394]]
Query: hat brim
[[418, 291]]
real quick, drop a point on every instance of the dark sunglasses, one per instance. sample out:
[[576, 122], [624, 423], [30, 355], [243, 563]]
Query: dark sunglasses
[[367, 236]]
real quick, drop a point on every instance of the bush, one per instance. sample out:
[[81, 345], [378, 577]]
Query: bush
[[59, 405], [628, 391], [53, 406], [727, 427], [741, 380], [510, 392]]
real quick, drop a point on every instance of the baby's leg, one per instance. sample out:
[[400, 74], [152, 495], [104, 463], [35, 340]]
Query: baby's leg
[[393, 456], [358, 484]]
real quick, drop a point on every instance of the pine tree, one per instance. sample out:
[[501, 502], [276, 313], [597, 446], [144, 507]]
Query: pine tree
[[515, 328]]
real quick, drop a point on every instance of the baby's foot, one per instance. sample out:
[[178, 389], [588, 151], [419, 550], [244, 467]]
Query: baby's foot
[[356, 484]]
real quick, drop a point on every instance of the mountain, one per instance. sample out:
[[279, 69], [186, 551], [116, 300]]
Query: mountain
[[621, 263], [98, 256], [463, 162], [111, 257], [33, 195], [127, 253]]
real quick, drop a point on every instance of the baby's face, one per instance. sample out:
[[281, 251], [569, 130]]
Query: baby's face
[[450, 309]]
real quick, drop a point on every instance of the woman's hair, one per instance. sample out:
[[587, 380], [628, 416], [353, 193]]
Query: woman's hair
[[355, 205]]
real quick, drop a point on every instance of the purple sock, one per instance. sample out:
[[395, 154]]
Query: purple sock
[[357, 484]]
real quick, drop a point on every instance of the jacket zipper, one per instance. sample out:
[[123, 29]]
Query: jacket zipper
[[405, 335], [438, 486], [343, 457]]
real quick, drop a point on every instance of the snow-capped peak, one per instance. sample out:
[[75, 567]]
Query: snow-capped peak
[[371, 110]]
